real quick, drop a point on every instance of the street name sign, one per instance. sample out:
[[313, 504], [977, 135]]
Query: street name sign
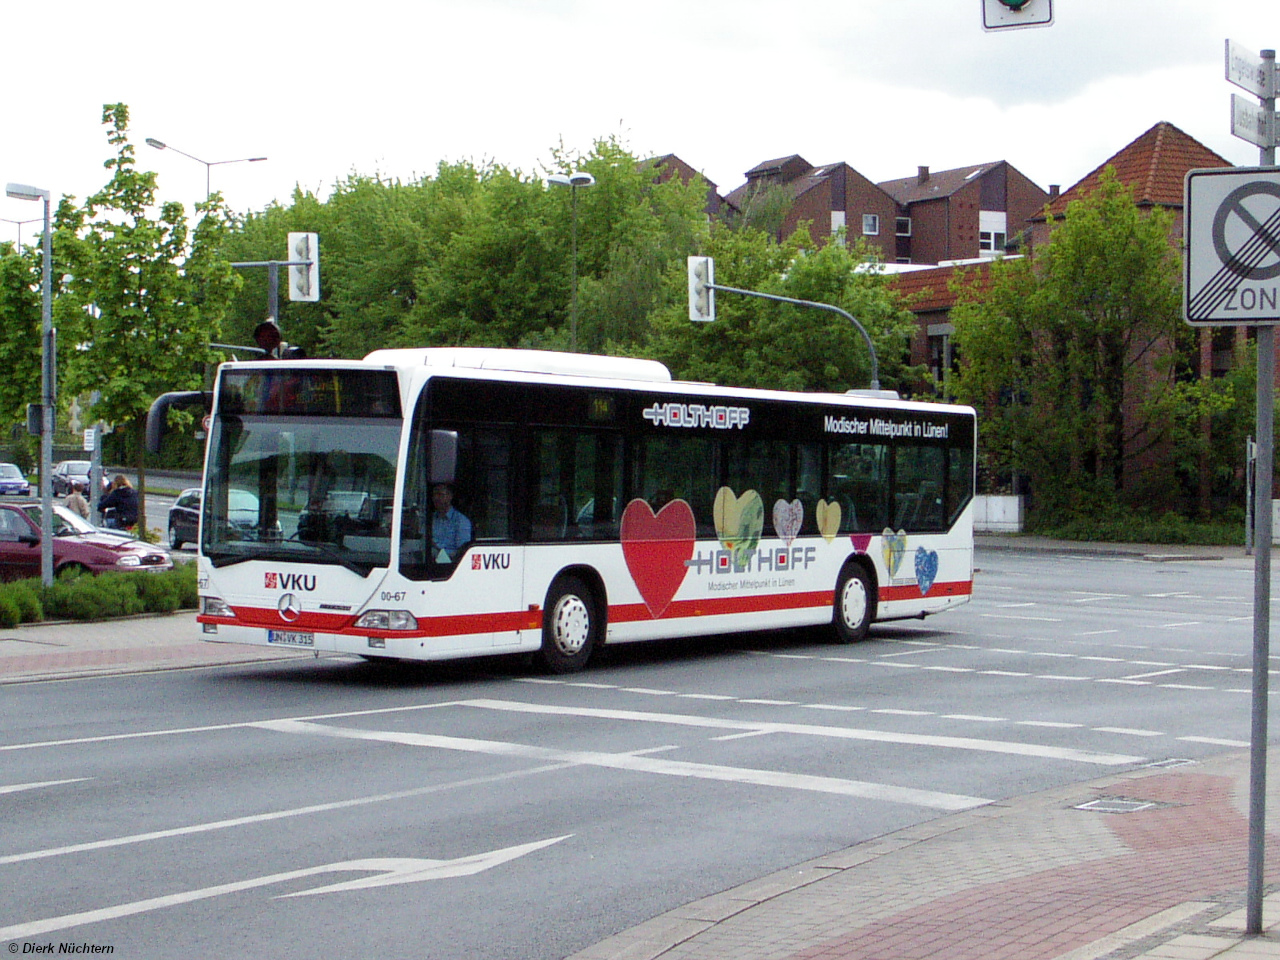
[[1250, 122], [1232, 267], [1248, 71]]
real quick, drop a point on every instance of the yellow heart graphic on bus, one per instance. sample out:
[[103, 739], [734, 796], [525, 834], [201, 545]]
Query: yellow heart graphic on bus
[[739, 523], [828, 515], [892, 549]]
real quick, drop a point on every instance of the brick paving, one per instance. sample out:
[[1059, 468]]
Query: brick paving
[[166, 642], [1035, 878]]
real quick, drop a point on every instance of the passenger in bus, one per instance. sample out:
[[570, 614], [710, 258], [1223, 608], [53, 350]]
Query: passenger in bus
[[450, 529]]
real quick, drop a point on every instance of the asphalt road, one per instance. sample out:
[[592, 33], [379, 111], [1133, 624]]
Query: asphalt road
[[338, 808]]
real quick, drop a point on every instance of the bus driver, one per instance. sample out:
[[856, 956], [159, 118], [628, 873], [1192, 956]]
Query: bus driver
[[449, 528]]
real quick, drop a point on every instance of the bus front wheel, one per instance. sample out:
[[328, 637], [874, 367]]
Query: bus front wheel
[[569, 626], [855, 605]]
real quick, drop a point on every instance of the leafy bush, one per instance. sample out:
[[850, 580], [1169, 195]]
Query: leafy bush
[[1121, 527], [158, 594], [83, 596], [10, 614], [27, 596]]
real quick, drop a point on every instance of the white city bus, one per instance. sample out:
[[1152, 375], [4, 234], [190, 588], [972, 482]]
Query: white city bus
[[606, 503]]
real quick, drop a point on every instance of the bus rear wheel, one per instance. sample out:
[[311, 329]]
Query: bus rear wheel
[[855, 605], [569, 626]]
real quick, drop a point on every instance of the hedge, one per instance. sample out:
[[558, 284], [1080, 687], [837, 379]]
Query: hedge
[[102, 597]]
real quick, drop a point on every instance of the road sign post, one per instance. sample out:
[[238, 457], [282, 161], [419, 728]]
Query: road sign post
[[1232, 226]]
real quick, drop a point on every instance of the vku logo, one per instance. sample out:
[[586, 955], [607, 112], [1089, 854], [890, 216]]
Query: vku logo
[[290, 581], [491, 561]]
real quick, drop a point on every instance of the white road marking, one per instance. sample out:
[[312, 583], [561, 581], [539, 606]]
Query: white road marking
[[254, 819], [1127, 732], [1154, 673], [618, 761], [387, 871], [1012, 616], [804, 729], [19, 787], [1216, 741]]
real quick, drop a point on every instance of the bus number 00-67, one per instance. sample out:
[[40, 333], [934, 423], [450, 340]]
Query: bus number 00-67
[[393, 595]]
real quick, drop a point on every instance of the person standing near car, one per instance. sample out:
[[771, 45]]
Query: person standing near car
[[75, 501], [122, 501]]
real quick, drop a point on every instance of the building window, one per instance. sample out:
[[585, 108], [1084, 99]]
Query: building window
[[902, 226], [991, 241], [870, 225]]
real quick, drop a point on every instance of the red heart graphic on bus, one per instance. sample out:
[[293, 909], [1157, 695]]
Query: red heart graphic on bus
[[656, 547]]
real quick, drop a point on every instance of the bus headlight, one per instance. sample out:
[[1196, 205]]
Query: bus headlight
[[213, 607], [387, 620]]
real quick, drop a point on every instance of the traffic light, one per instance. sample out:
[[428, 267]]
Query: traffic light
[[304, 281], [702, 294], [267, 337]]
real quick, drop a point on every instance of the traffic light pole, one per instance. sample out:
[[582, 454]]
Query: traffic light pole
[[875, 366], [273, 280]]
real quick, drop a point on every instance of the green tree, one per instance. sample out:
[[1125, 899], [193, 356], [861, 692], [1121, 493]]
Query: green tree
[[1076, 356], [146, 295], [19, 332], [480, 255]]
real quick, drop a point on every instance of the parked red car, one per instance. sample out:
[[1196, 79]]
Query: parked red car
[[77, 545]]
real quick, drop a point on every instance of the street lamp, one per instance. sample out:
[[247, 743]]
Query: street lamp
[[19, 223], [208, 164], [573, 181], [48, 364]]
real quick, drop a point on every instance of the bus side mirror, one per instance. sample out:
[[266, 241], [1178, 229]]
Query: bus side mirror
[[444, 456], [157, 416]]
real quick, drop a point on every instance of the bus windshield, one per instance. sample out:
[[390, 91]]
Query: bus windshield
[[301, 488]]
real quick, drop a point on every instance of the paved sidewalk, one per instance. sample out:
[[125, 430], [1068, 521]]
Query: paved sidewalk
[[57, 651], [1030, 879]]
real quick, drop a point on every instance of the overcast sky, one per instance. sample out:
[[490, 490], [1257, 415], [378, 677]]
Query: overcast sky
[[325, 89]]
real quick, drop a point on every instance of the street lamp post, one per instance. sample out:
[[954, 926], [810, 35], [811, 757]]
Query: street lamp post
[[208, 164], [573, 181], [48, 366], [19, 224]]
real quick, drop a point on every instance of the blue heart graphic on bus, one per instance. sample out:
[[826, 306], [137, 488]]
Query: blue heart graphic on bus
[[926, 568]]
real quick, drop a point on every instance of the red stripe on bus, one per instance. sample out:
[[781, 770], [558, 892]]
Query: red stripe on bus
[[480, 623], [960, 588], [720, 606]]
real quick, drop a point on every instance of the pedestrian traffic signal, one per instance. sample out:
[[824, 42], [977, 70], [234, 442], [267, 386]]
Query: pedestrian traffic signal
[[702, 294], [304, 276]]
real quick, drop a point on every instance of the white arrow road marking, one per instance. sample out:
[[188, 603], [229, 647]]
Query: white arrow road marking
[[639, 764], [386, 872], [397, 870], [19, 787]]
